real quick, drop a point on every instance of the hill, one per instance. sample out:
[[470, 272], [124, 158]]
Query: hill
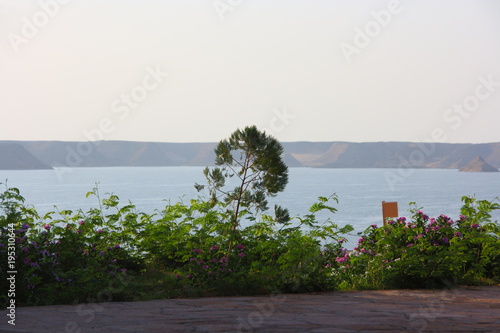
[[42, 154], [14, 156], [478, 165]]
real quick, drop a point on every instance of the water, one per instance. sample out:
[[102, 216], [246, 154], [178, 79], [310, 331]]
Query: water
[[360, 191]]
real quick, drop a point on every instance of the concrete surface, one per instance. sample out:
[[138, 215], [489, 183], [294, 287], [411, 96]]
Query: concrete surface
[[465, 309]]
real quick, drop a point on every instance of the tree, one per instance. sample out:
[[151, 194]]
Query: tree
[[255, 159]]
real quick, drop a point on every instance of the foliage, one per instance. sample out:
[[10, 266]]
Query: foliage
[[255, 159], [115, 253], [427, 252]]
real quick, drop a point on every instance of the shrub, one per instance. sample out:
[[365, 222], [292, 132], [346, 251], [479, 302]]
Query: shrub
[[427, 252]]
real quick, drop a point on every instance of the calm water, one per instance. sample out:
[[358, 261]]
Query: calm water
[[360, 191]]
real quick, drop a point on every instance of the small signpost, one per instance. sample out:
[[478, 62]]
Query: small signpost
[[389, 210]]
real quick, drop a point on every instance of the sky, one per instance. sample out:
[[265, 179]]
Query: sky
[[302, 70]]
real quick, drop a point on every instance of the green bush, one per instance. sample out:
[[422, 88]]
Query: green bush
[[113, 253], [427, 252]]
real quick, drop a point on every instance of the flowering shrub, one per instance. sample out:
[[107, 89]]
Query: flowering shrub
[[115, 253], [63, 261], [427, 252]]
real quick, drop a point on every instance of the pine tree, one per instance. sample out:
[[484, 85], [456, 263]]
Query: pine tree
[[255, 159]]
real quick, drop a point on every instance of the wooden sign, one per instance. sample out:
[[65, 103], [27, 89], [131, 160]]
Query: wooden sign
[[389, 210]]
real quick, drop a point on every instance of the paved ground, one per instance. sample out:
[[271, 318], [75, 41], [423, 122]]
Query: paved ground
[[459, 310]]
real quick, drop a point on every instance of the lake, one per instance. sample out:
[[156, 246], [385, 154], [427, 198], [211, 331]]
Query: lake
[[360, 191]]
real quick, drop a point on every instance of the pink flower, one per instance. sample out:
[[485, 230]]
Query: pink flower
[[213, 248], [409, 245], [99, 231], [46, 227], [241, 254], [81, 222]]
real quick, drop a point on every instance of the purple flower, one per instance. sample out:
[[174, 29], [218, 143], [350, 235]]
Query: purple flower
[[475, 226], [361, 240], [409, 245], [341, 260], [214, 248], [205, 266], [99, 231], [46, 227], [25, 226], [457, 234], [196, 250], [214, 260], [117, 246], [81, 222], [192, 259], [445, 240], [342, 240], [241, 254], [240, 247], [374, 226], [223, 260]]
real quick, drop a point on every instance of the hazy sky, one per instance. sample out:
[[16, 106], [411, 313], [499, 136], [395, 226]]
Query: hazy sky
[[195, 70]]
